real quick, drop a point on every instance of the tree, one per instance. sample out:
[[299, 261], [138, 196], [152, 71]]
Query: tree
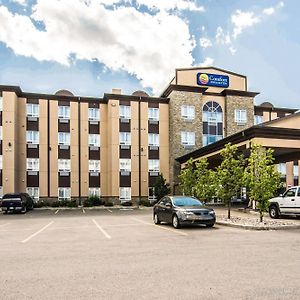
[[261, 177], [161, 187], [205, 183], [229, 175], [187, 179]]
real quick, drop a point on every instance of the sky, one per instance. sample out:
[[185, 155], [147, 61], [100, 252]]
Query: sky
[[92, 46]]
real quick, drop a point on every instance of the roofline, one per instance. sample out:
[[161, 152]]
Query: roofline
[[280, 119], [108, 96], [203, 90], [284, 109], [244, 135], [211, 67]]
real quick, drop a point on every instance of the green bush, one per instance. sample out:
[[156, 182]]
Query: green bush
[[39, 204], [72, 203], [127, 203], [55, 204], [87, 203], [92, 201], [146, 203], [108, 203]]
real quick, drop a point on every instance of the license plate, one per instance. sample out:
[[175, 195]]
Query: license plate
[[11, 208]]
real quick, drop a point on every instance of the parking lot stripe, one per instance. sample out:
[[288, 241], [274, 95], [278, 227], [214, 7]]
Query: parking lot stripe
[[2, 225], [102, 230], [36, 233], [161, 227], [56, 212], [109, 210], [83, 210]]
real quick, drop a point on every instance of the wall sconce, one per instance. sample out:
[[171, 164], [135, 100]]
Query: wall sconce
[[113, 104], [9, 144]]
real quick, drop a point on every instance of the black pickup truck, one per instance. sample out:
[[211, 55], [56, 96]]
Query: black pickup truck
[[20, 202]]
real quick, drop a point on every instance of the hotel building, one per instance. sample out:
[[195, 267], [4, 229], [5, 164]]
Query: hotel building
[[69, 147]]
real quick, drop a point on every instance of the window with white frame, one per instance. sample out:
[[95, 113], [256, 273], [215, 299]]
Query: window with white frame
[[34, 193], [64, 165], [153, 165], [240, 116], [281, 168], [1, 130], [1, 103], [32, 137], [296, 169], [64, 138], [125, 138], [125, 164], [95, 192], [153, 139], [94, 114], [153, 113], [1, 162], [33, 164], [151, 194], [63, 112], [125, 112], [94, 165], [187, 138], [125, 194], [32, 110], [188, 112], [64, 193], [258, 119], [94, 140]]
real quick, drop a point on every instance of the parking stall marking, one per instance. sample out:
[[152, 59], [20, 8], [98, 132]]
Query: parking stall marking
[[102, 230], [109, 210], [83, 210], [36, 233], [56, 212], [161, 227]]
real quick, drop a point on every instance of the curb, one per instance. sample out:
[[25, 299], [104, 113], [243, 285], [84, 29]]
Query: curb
[[93, 208], [251, 227]]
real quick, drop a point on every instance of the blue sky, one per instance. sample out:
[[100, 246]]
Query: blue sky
[[92, 46]]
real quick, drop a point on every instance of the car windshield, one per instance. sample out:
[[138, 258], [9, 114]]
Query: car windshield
[[186, 201]]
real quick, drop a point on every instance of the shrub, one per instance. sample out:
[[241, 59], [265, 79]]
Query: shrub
[[38, 204], [127, 203], [95, 200], [146, 203], [108, 203], [55, 204], [87, 203], [72, 203]]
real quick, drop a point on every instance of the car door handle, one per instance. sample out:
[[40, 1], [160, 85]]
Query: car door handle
[[292, 199]]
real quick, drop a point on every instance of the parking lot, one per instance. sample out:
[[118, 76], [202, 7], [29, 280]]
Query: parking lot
[[121, 254]]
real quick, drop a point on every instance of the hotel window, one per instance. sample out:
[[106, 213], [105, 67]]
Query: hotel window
[[258, 120], [94, 140], [125, 194], [151, 194], [1, 162], [187, 138], [32, 110], [94, 166], [34, 193], [240, 116], [153, 139], [296, 169], [125, 112], [32, 137], [281, 168], [64, 165], [94, 114], [212, 123], [94, 192], [153, 114], [1, 103], [188, 112], [64, 193], [125, 165], [64, 138], [64, 112], [153, 165], [33, 164], [1, 137], [125, 138]]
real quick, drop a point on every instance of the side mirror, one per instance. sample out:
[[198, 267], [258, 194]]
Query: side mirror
[[168, 205]]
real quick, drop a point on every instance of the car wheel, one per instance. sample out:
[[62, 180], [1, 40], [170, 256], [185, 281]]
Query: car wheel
[[23, 211], [156, 219], [273, 211], [175, 222], [210, 225]]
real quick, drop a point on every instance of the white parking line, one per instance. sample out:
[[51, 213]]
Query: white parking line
[[102, 230], [109, 210], [56, 212], [83, 210], [36, 233], [161, 227], [2, 225]]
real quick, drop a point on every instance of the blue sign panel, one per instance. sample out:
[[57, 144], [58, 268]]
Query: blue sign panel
[[213, 80]]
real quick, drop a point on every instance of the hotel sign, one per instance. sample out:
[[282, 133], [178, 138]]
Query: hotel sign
[[216, 80]]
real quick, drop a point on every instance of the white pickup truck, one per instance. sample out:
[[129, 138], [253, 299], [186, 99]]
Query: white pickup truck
[[286, 204]]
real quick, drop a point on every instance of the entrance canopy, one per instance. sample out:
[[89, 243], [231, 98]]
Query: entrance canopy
[[282, 135]]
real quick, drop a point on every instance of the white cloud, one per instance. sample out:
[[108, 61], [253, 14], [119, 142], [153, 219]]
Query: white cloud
[[21, 2], [222, 37], [242, 20], [205, 42], [208, 62], [145, 45], [271, 10], [232, 50]]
